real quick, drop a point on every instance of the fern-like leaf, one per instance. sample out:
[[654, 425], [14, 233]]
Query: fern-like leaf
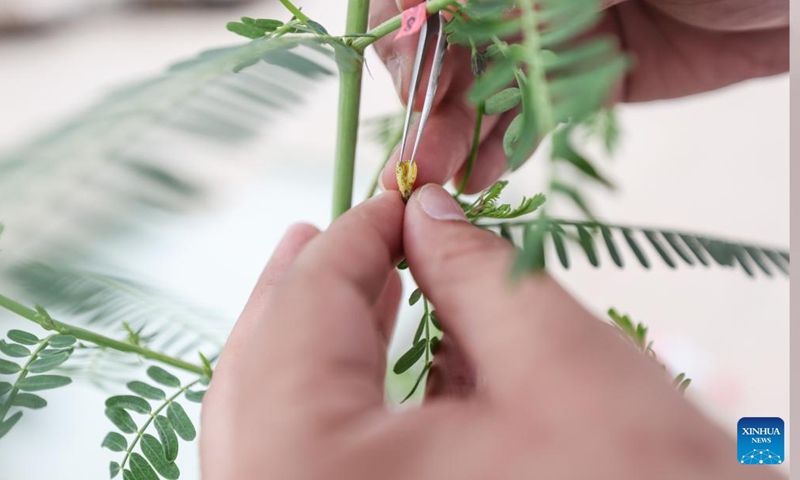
[[113, 304], [164, 421], [129, 153], [688, 246], [30, 361]]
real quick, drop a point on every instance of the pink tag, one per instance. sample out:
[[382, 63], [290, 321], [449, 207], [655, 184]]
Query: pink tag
[[412, 20]]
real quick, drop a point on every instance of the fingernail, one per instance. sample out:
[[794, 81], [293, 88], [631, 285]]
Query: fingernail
[[399, 5], [396, 66], [438, 204]]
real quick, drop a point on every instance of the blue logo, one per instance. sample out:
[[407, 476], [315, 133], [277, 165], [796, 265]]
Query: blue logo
[[761, 441]]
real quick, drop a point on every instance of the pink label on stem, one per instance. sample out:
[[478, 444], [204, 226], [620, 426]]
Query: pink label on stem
[[412, 21]]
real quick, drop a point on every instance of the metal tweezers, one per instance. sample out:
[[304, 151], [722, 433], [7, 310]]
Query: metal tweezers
[[434, 26]]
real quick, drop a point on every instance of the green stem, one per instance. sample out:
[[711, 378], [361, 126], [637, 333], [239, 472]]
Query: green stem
[[427, 331], [295, 11], [349, 105], [389, 26], [536, 71], [88, 336], [473, 154], [22, 374], [153, 416]]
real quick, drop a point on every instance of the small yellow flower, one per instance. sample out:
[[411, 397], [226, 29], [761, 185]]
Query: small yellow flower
[[406, 176]]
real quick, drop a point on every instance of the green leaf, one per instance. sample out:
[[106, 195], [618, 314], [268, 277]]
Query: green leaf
[[127, 475], [435, 321], [741, 257], [195, 396], [503, 101], [145, 390], [8, 367], [6, 426], [512, 135], [115, 442], [610, 245], [755, 254], [154, 452], [181, 422], [695, 247], [129, 402], [776, 259], [5, 387], [573, 194], [587, 243], [420, 329], [532, 258], [121, 419], [635, 247], [415, 296], [435, 344], [29, 400], [266, 24], [684, 384], [167, 436], [163, 377], [13, 349], [43, 382], [140, 469], [23, 337], [55, 351], [318, 28], [113, 469], [577, 24], [62, 341], [408, 359], [246, 30], [493, 80], [403, 265], [562, 150], [418, 382], [675, 243], [679, 379], [49, 362], [651, 236], [558, 241]]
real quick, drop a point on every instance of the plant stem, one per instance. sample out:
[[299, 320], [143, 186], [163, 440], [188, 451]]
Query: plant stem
[[349, 104], [393, 24], [536, 70], [473, 155], [87, 335], [427, 331]]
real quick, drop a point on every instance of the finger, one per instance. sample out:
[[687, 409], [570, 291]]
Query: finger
[[323, 316], [388, 304], [292, 243], [507, 330], [399, 55], [491, 162], [452, 374]]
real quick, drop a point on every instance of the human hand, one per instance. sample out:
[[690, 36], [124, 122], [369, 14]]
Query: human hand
[[679, 48], [298, 392]]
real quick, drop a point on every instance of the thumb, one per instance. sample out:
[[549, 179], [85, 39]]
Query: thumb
[[504, 327]]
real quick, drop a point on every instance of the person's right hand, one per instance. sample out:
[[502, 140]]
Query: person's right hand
[[553, 392], [680, 47]]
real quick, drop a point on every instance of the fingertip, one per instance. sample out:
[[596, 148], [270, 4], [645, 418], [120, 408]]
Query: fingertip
[[301, 232]]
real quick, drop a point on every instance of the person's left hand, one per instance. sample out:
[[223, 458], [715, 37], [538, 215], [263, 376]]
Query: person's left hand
[[315, 330]]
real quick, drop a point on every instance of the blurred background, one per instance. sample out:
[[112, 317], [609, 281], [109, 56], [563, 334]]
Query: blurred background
[[193, 222]]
